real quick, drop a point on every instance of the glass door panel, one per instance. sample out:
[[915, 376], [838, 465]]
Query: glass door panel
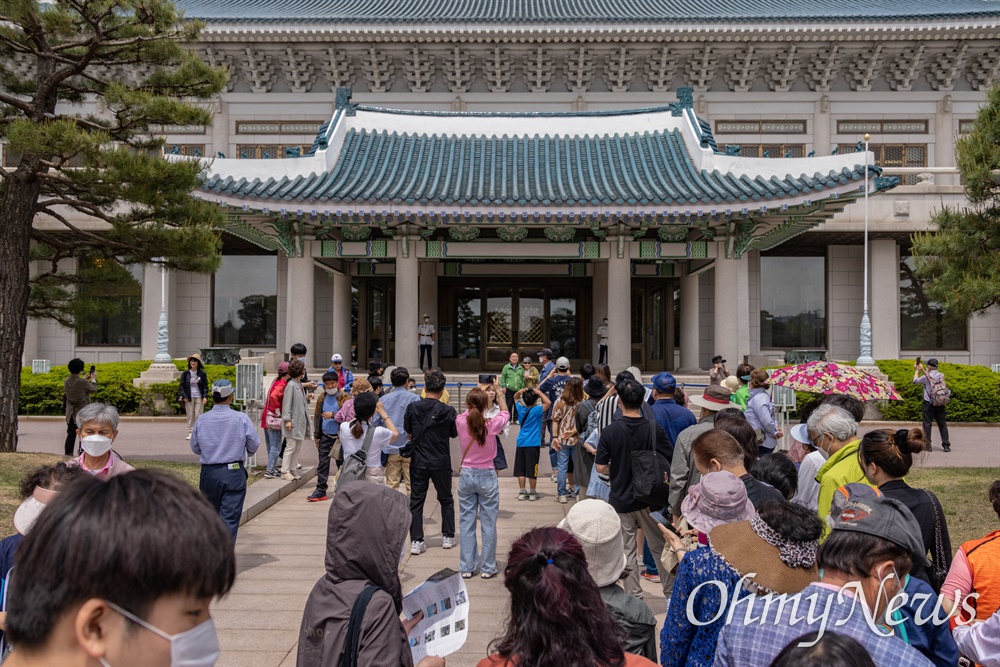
[[530, 321], [657, 330], [638, 329], [499, 325], [376, 322], [563, 323], [468, 322]]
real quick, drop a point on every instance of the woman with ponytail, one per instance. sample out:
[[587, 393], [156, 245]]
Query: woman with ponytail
[[886, 456], [353, 432], [478, 486], [557, 616]]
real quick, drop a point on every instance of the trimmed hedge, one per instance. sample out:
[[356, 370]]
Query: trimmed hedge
[[43, 394], [975, 393]]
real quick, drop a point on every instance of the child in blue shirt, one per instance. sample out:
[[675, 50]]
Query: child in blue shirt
[[531, 406]]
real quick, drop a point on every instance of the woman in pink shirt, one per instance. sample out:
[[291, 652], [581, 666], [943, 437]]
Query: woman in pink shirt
[[478, 487]]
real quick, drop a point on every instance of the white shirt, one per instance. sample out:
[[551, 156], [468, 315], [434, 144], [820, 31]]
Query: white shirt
[[350, 444], [602, 332], [426, 331], [807, 494]]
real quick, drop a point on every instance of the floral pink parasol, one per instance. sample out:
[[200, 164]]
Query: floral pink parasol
[[825, 377]]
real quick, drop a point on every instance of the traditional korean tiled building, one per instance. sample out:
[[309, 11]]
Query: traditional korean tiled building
[[519, 170]]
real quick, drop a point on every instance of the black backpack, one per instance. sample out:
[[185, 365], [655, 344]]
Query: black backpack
[[650, 471], [349, 658]]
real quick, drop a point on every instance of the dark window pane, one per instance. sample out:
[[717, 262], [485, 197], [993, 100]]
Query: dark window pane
[[111, 303], [793, 302], [925, 324], [563, 333], [246, 300], [468, 322]]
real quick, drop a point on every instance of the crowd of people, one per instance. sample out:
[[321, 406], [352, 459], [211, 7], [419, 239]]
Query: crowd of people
[[819, 555]]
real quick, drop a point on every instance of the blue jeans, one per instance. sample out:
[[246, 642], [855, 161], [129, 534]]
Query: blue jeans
[[647, 559], [273, 441], [564, 456], [478, 489]]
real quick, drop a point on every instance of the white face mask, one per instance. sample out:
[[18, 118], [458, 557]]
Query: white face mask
[[197, 647], [96, 445], [822, 452], [331, 392]]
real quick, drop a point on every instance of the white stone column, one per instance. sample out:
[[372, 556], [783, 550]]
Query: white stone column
[[342, 304], [944, 144], [220, 131], [619, 307], [822, 127], [732, 308], [690, 324], [407, 304], [150, 318], [299, 314], [600, 300], [429, 304], [884, 312]]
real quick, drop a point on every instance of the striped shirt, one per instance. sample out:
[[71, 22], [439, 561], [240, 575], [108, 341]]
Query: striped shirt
[[223, 435]]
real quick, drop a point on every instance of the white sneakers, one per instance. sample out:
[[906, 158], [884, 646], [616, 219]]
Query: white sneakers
[[448, 543], [417, 547]]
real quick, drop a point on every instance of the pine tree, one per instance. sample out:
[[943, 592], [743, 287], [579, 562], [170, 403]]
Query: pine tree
[[961, 260], [84, 85]]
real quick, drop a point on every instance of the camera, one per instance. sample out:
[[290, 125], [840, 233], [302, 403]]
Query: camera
[[486, 378], [93, 369]]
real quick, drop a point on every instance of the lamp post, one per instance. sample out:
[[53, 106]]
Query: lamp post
[[162, 338], [865, 358]]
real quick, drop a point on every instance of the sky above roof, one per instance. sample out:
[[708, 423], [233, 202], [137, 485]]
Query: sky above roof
[[566, 11]]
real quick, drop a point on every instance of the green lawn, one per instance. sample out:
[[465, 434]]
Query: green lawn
[[962, 492], [15, 466]]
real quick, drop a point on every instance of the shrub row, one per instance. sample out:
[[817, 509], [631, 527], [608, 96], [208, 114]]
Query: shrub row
[[975, 393], [42, 394]]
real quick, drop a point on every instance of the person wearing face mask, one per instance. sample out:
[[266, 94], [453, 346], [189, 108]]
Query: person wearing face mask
[[326, 431], [602, 341], [97, 426], [833, 432], [862, 565], [425, 338], [80, 595]]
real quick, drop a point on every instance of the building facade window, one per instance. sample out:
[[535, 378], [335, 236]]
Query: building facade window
[[111, 303], [770, 150], [792, 302], [245, 301], [925, 324], [270, 151], [895, 155]]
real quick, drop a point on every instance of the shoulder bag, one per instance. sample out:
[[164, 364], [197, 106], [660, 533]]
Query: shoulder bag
[[356, 465], [349, 658], [650, 472], [938, 570]]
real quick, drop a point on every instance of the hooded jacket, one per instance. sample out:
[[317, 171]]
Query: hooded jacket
[[366, 529]]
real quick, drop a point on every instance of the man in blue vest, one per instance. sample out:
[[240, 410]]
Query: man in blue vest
[[326, 430]]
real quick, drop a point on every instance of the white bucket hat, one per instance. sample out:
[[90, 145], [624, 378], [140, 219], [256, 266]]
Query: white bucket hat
[[32, 506], [597, 527]]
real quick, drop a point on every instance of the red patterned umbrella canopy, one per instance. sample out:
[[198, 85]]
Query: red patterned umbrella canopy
[[824, 377]]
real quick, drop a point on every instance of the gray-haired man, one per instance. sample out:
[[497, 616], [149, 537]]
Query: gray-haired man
[[222, 437]]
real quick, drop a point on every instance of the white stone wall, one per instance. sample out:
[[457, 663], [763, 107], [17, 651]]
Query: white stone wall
[[984, 339], [191, 326], [706, 317], [323, 318], [844, 300]]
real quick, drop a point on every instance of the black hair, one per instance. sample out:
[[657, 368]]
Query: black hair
[[857, 553], [777, 470], [743, 370], [795, 523], [739, 428], [75, 366], [529, 397], [298, 348], [219, 399], [166, 539], [827, 649], [890, 450], [624, 375], [854, 407], [399, 376], [732, 413], [994, 495], [631, 394], [434, 382], [330, 376], [49, 477], [376, 382], [587, 371]]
